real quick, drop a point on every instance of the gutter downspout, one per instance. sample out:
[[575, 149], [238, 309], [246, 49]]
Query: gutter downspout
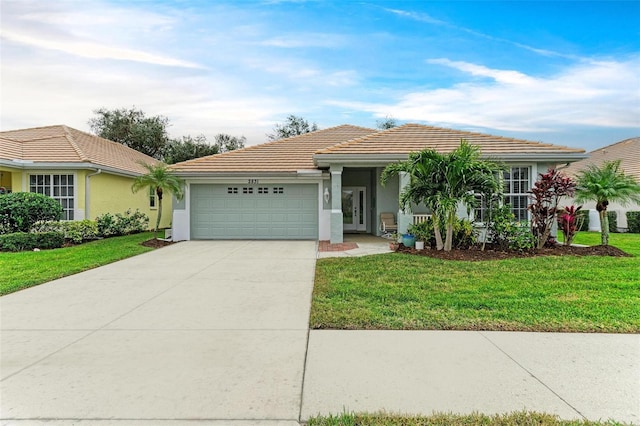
[[87, 192]]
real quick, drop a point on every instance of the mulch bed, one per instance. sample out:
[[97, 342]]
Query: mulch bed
[[476, 254], [156, 243]]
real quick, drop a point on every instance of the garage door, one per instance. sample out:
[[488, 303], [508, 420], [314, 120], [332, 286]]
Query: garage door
[[254, 212]]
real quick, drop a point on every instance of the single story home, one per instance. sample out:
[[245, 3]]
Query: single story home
[[87, 174], [628, 151], [323, 184]]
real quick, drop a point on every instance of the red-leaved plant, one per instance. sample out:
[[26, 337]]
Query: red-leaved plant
[[569, 223], [546, 194]]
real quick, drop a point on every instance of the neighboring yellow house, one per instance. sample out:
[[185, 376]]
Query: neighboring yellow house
[[87, 174]]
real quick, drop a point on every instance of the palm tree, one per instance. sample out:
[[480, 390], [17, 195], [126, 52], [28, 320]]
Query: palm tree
[[160, 178], [603, 185], [443, 181]]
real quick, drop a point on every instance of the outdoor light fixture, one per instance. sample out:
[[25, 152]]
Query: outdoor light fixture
[[327, 195]]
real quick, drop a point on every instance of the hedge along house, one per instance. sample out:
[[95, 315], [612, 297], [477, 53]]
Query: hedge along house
[[87, 174], [323, 184], [628, 152]]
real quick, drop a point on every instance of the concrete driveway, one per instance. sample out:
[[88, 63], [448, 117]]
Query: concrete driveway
[[200, 330]]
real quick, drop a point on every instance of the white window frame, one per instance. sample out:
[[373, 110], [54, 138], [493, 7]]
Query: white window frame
[[58, 192], [153, 198], [522, 214]]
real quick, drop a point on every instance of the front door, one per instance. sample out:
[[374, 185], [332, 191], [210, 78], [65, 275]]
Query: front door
[[354, 211]]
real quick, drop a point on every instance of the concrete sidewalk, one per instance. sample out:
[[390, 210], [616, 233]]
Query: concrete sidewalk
[[592, 376]]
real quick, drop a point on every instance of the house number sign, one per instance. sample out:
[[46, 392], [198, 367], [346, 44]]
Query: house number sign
[[253, 181]]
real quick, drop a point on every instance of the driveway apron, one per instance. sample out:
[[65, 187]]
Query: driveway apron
[[202, 330]]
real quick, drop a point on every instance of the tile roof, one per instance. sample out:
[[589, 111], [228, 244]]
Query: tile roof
[[416, 137], [62, 144], [284, 155], [627, 150]]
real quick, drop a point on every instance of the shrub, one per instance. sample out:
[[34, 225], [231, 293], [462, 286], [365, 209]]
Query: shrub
[[21, 241], [545, 195], [506, 233], [122, 224], [613, 221], [633, 222], [423, 231], [569, 222], [583, 220], [76, 232], [80, 231], [463, 235], [20, 210]]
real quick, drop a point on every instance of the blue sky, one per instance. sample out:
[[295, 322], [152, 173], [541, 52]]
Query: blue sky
[[551, 71]]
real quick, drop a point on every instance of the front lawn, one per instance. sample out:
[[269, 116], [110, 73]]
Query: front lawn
[[26, 269], [555, 293]]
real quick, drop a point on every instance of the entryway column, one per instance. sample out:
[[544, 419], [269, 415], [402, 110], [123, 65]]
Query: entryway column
[[405, 218], [336, 204]]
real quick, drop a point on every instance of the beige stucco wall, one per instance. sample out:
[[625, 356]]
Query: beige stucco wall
[[108, 193], [112, 194]]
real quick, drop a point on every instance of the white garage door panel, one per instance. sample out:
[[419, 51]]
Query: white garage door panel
[[217, 212]]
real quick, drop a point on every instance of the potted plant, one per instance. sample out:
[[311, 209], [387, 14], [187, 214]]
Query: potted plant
[[394, 244], [422, 232]]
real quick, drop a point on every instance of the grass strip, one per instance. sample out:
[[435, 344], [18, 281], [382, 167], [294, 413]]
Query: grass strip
[[521, 418], [26, 269]]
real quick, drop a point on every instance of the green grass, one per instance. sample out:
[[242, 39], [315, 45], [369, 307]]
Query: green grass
[[26, 269], [521, 418], [554, 293]]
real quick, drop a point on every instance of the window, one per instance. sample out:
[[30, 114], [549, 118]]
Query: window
[[232, 190], [516, 184], [58, 187], [152, 197], [262, 190], [278, 190], [247, 190]]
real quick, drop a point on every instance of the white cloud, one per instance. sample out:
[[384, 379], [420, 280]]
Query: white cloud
[[589, 93], [87, 49], [303, 40]]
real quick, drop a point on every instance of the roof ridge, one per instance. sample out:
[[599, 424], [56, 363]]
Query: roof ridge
[[268, 143], [356, 140], [602, 148], [74, 145]]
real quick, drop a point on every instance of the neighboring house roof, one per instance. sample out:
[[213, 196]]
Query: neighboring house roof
[[628, 151], [416, 137], [284, 155], [65, 146]]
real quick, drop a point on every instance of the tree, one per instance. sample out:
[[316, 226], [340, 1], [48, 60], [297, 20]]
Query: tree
[[226, 143], [188, 148], [160, 178], [603, 185], [443, 181], [132, 128], [546, 194], [386, 124], [293, 126]]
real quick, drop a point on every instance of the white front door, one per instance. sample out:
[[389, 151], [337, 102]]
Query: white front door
[[354, 211]]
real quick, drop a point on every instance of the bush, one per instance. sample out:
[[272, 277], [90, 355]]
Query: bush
[[76, 232], [506, 233], [20, 210], [633, 222], [613, 221], [21, 241], [583, 220], [463, 235], [81, 231], [122, 224]]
